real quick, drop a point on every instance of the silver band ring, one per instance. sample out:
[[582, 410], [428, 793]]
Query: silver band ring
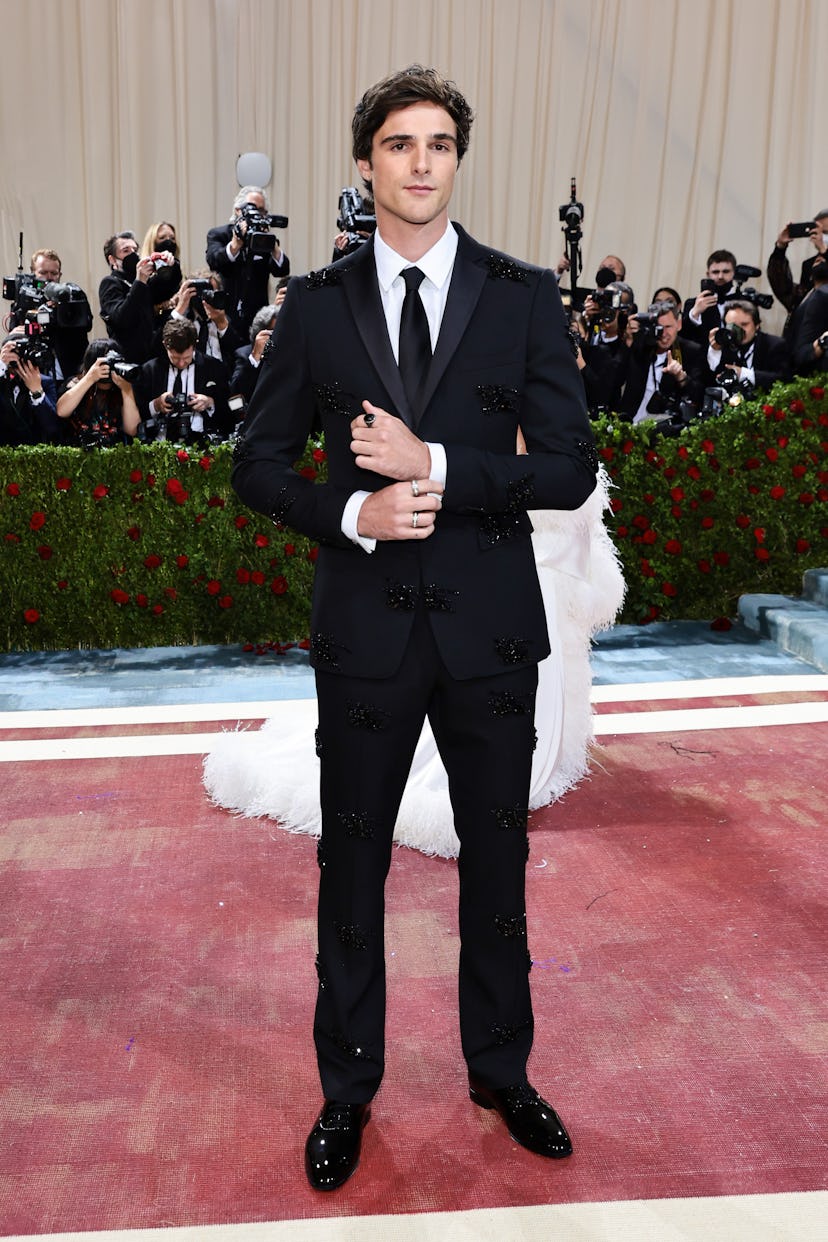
[[415, 488], [415, 517], [369, 420]]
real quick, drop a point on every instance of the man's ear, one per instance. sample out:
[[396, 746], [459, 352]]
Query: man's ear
[[365, 169]]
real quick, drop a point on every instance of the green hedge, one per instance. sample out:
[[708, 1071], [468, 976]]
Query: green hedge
[[148, 546]]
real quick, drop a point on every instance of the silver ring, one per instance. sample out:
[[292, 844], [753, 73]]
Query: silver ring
[[369, 420], [415, 488], [415, 517]]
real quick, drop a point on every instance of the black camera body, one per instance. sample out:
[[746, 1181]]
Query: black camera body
[[729, 338], [127, 371], [353, 219], [745, 272], [61, 303], [33, 347], [258, 238]]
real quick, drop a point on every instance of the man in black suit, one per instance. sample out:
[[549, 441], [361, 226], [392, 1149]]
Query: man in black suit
[[183, 396], [423, 353], [810, 339], [706, 310], [754, 357], [245, 270], [126, 297], [780, 275], [662, 368]]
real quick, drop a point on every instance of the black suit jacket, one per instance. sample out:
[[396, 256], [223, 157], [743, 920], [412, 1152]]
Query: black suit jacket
[[502, 361], [245, 280], [771, 359], [811, 322], [210, 379], [639, 359], [127, 310], [711, 318]]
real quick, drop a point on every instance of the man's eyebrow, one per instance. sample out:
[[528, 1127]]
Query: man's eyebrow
[[392, 138]]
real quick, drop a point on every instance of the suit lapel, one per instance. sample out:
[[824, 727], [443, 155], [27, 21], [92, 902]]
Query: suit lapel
[[363, 295], [467, 280]]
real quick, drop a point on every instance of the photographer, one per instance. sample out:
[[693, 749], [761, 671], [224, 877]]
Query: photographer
[[810, 341], [99, 401], [248, 358], [706, 310], [665, 373], [27, 397], [183, 396], [126, 297], [68, 315], [356, 222], [161, 245], [246, 254], [738, 351], [606, 311], [201, 300], [779, 268]]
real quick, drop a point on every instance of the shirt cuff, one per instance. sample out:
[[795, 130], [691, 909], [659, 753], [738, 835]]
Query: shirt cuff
[[254, 362], [439, 462], [350, 521], [37, 400], [696, 319], [231, 256], [714, 358], [748, 374]]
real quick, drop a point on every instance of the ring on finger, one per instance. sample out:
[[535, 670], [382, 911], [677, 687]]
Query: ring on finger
[[415, 517], [369, 420], [415, 488]]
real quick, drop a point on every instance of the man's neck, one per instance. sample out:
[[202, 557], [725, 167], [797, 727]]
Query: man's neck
[[410, 241]]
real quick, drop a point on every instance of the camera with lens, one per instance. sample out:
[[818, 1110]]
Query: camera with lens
[[745, 272], [729, 337], [33, 347], [127, 371], [650, 330], [610, 302], [177, 401], [258, 238], [217, 298], [353, 219]]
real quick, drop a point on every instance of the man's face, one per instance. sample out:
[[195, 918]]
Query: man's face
[[669, 324], [46, 269], [123, 247], [721, 274], [612, 262], [744, 321], [412, 166], [181, 359]]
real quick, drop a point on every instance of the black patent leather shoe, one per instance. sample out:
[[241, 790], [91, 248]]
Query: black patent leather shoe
[[531, 1121], [332, 1149]]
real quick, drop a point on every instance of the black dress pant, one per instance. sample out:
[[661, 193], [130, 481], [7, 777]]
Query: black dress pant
[[368, 731]]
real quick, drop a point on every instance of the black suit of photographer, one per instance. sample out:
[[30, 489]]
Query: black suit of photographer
[[209, 378], [245, 278], [641, 357], [770, 359]]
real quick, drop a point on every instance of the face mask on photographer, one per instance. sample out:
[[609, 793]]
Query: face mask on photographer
[[129, 264], [167, 244]]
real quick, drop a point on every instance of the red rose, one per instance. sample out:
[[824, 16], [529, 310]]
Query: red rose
[[627, 447], [648, 498], [182, 561], [707, 494], [782, 441], [63, 484], [289, 549], [694, 472], [134, 532], [707, 523], [817, 392], [11, 537], [616, 504], [304, 644], [776, 493], [171, 592], [673, 547], [308, 472], [649, 536], [241, 521], [677, 493], [797, 407], [641, 521], [752, 463], [704, 567], [242, 575], [759, 534], [721, 558], [607, 453], [12, 489], [762, 554], [150, 480], [100, 491], [37, 520], [802, 545], [257, 577], [44, 552], [806, 498], [647, 569], [152, 561], [319, 454], [216, 502], [676, 511], [312, 555], [279, 585], [136, 476], [62, 585], [31, 615], [141, 601], [183, 455], [767, 410], [708, 446], [226, 601], [622, 531], [771, 454], [721, 624], [683, 452], [205, 462], [213, 587], [799, 470], [173, 487], [667, 588], [118, 596], [261, 541], [670, 472]]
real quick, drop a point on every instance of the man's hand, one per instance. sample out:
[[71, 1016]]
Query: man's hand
[[703, 302], [184, 296], [673, 367], [30, 376], [161, 405], [260, 343], [145, 269], [816, 239], [390, 512], [218, 317], [199, 402], [384, 445]]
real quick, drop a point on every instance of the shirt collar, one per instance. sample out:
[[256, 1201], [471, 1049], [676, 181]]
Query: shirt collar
[[436, 263]]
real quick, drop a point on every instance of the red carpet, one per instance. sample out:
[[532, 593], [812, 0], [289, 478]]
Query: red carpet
[[158, 987]]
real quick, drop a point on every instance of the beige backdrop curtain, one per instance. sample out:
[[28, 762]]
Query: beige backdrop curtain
[[689, 124]]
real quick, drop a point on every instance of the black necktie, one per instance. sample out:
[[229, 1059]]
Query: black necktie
[[177, 384], [415, 341]]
